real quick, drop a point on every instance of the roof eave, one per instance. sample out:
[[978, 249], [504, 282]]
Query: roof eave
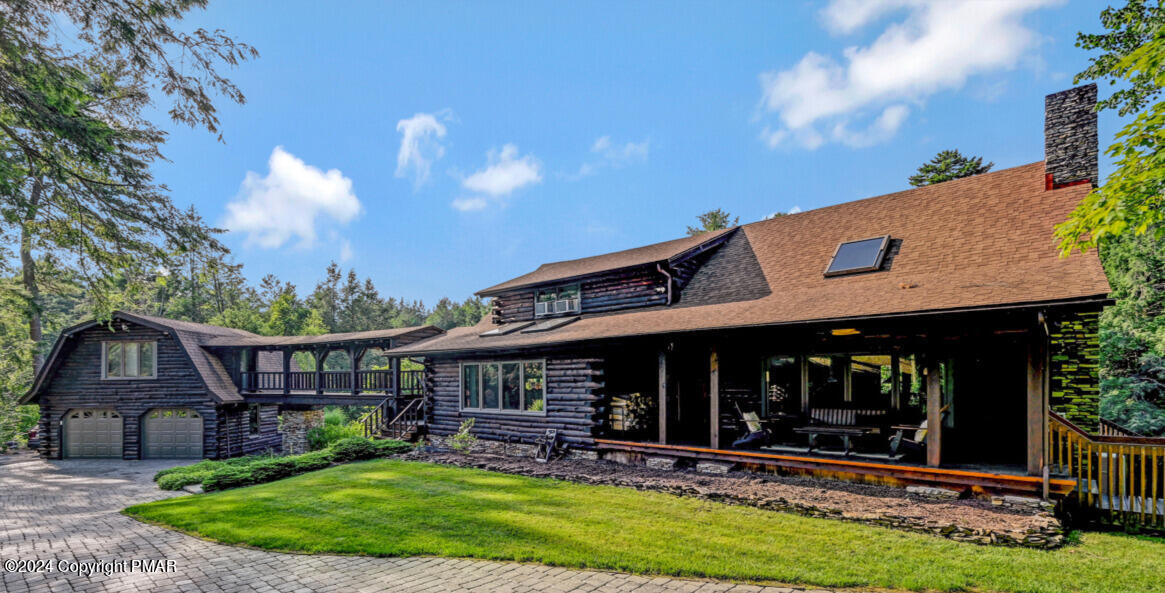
[[1099, 300]]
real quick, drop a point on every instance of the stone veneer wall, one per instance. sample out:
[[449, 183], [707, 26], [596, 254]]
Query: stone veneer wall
[[1070, 135], [1074, 371], [296, 423]]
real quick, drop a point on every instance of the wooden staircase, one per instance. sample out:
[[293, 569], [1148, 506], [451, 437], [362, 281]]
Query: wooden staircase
[[397, 418]]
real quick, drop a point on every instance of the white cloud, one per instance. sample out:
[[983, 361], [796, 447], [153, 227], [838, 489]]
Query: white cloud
[[420, 145], [794, 210], [505, 173], [612, 155], [934, 46], [289, 201], [345, 251], [470, 203]]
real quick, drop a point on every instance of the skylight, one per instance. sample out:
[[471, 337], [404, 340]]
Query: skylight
[[852, 257], [508, 328]]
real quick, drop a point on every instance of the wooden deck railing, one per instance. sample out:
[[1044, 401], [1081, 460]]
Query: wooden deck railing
[[412, 383], [332, 381], [394, 417], [1121, 478]]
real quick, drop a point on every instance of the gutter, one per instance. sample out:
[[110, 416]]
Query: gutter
[[659, 268]]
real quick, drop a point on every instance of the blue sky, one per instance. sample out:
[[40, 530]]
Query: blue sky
[[440, 148]]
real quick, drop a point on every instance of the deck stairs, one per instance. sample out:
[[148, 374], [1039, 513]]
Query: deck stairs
[[396, 418]]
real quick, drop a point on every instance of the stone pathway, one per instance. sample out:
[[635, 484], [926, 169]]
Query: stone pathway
[[66, 512]]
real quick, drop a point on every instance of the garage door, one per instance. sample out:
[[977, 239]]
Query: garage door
[[93, 433], [172, 433]]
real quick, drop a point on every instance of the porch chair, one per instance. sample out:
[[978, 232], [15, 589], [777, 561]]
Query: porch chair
[[916, 445], [757, 437]]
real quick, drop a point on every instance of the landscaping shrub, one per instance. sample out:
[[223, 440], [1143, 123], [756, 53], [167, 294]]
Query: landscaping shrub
[[464, 440], [229, 476], [309, 462], [352, 449], [390, 447], [258, 469], [336, 428], [175, 481]]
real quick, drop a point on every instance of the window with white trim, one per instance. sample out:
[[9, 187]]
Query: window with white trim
[[129, 360], [510, 386], [557, 300]]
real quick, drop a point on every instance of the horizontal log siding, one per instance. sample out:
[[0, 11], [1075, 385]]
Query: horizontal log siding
[[77, 383], [234, 431], [574, 386], [625, 289]]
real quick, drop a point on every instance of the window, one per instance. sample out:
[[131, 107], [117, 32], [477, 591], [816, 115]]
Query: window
[[511, 386], [253, 418], [858, 256], [561, 299], [128, 360]]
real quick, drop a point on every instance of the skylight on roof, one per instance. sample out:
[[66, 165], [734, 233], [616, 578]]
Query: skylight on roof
[[549, 324], [508, 328], [852, 257]]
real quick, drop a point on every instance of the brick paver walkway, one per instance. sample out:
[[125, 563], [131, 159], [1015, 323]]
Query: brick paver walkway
[[67, 511]]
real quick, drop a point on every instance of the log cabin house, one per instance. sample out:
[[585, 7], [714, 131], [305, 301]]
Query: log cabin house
[[928, 336], [931, 337]]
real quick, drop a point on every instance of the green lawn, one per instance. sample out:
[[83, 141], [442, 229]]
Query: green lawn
[[397, 508]]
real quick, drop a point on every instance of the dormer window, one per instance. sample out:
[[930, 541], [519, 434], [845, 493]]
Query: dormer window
[[853, 257], [557, 300]]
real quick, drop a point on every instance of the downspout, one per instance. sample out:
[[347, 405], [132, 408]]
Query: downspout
[[666, 274]]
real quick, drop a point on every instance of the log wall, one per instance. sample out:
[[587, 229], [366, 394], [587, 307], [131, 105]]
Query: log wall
[[574, 389], [234, 436], [624, 289], [77, 383]]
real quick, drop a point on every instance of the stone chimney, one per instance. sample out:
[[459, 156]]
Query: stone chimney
[[1070, 137]]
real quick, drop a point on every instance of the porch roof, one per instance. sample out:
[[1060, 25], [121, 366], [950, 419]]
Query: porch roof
[[974, 243], [376, 335]]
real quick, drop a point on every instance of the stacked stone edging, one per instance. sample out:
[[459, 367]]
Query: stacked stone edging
[[1049, 535]]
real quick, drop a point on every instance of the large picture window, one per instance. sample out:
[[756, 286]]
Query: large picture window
[[511, 386], [560, 299], [128, 360]]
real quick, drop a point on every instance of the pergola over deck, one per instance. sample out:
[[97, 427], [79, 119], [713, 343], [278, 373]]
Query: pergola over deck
[[351, 386]]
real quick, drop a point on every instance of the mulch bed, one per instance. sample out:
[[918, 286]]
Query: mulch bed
[[971, 520]]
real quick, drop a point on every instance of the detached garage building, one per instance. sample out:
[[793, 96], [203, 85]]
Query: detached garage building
[[141, 387]]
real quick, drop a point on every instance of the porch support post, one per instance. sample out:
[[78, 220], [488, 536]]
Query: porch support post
[[934, 416], [286, 371], [1037, 417], [354, 354], [321, 356], [714, 397], [663, 397], [395, 362], [804, 385]]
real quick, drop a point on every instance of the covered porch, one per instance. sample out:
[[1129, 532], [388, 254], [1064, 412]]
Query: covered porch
[[957, 401]]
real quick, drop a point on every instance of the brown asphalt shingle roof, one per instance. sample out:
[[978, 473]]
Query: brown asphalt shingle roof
[[970, 243], [249, 339], [576, 268]]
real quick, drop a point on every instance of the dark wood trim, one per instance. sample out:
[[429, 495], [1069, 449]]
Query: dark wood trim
[[714, 398], [1037, 400], [908, 474], [934, 415], [663, 387]]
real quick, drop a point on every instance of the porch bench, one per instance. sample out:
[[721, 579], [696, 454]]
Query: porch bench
[[839, 422]]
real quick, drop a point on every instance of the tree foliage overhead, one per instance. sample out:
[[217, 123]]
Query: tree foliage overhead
[[76, 189], [713, 220], [1132, 200], [948, 165]]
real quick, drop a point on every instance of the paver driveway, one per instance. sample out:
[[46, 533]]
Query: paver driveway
[[68, 511]]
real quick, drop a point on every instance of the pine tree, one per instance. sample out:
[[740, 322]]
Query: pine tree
[[948, 165]]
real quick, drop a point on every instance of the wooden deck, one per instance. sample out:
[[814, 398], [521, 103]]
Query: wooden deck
[[897, 474]]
